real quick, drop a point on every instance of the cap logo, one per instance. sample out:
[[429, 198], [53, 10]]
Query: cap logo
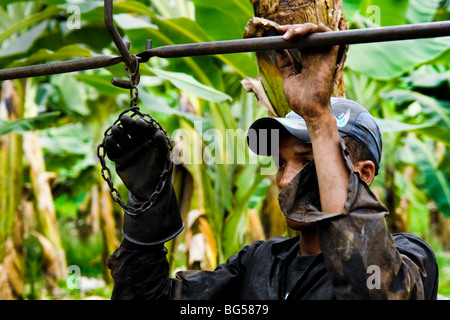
[[342, 119]]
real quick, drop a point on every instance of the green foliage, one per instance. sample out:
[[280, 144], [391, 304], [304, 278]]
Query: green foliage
[[389, 60], [82, 252], [435, 182], [405, 84], [33, 265], [187, 83], [25, 124]]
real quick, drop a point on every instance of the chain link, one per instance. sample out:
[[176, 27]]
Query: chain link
[[135, 212]]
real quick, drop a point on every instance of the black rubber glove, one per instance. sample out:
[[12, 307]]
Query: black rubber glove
[[140, 153]]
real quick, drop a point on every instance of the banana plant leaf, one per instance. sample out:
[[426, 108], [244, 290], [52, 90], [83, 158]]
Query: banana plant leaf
[[41, 121], [388, 60], [436, 181]]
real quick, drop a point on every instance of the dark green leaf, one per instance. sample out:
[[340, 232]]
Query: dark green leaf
[[388, 60], [189, 84], [436, 181], [41, 121]]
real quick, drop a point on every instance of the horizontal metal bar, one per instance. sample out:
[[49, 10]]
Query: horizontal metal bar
[[355, 36], [59, 67]]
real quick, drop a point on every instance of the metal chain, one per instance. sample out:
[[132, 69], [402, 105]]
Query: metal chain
[[101, 154]]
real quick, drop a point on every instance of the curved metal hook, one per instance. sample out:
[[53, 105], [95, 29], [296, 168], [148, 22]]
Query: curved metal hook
[[128, 58]]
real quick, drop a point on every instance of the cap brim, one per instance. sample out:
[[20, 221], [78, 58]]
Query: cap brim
[[264, 134]]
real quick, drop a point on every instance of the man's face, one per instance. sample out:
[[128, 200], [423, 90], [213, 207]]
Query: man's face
[[294, 155]]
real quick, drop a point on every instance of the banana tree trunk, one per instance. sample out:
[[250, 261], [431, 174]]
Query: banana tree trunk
[[45, 210], [274, 221], [268, 88], [439, 225], [55, 266], [11, 172], [108, 228]]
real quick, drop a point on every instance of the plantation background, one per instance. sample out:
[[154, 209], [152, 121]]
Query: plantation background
[[58, 224]]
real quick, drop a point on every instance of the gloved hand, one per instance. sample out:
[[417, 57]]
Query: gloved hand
[[140, 153]]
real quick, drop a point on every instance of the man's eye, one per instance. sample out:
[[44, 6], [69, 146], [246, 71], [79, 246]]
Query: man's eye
[[281, 164]]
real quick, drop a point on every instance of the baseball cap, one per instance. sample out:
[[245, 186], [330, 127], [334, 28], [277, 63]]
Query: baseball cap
[[352, 119]]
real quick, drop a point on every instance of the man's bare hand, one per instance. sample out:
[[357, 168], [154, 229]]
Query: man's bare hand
[[308, 92]]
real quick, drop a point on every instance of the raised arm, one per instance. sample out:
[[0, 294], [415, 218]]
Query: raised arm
[[308, 93]]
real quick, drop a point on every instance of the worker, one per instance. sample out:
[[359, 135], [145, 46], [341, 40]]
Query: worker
[[328, 155]]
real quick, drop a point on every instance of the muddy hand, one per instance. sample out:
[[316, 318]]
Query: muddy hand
[[308, 92]]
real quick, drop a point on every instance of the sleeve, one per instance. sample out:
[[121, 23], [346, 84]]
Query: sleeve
[[139, 267], [143, 273], [223, 283], [140, 273], [362, 257]]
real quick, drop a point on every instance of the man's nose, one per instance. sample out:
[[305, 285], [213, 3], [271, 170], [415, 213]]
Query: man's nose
[[288, 174]]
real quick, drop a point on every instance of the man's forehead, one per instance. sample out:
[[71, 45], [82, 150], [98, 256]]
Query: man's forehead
[[290, 144]]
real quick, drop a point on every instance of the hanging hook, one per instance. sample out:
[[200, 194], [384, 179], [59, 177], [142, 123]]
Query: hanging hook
[[130, 60]]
